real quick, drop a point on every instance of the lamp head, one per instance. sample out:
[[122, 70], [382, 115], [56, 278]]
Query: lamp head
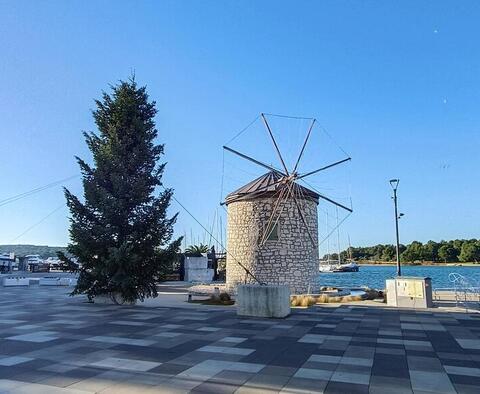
[[394, 183]]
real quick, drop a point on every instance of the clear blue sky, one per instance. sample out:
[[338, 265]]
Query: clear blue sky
[[396, 83]]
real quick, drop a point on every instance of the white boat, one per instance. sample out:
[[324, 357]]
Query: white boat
[[350, 267], [335, 266], [328, 265]]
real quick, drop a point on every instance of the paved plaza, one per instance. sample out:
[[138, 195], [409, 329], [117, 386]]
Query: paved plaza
[[52, 343]]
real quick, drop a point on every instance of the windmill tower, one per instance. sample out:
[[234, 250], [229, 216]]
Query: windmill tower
[[272, 228]]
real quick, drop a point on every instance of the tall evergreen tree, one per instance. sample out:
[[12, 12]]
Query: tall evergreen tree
[[120, 232]]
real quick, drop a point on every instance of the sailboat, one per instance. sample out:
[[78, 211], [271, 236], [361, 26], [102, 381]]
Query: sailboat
[[328, 265], [350, 266], [336, 265]]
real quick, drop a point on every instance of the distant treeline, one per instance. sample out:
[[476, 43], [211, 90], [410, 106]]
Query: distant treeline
[[23, 250], [458, 250]]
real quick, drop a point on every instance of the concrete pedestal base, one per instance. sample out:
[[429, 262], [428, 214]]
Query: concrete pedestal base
[[263, 301]]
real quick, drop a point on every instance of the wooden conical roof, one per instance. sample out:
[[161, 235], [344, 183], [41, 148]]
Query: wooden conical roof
[[267, 185]]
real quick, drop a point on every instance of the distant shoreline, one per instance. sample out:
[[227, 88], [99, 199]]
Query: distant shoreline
[[424, 264]]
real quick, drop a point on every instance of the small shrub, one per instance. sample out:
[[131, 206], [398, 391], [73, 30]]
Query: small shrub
[[372, 294], [224, 297], [302, 300], [295, 301], [322, 299], [351, 298]]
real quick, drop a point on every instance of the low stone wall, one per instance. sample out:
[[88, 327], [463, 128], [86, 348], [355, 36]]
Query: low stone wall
[[263, 301], [11, 281]]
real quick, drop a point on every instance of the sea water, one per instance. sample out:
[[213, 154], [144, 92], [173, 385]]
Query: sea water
[[374, 276]]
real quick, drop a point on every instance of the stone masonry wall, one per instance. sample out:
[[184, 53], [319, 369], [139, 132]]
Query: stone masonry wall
[[292, 260]]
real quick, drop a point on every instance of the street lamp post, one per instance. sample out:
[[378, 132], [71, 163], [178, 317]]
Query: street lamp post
[[394, 183]]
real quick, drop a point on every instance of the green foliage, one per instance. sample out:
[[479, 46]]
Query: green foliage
[[445, 251], [430, 251], [197, 250], [120, 232], [470, 251], [389, 253], [413, 252]]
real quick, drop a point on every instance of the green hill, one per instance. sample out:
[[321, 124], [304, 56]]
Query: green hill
[[22, 250]]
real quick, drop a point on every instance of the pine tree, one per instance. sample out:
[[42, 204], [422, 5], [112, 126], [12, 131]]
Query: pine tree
[[120, 233]]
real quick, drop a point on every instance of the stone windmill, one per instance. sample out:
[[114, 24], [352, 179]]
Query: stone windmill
[[272, 227]]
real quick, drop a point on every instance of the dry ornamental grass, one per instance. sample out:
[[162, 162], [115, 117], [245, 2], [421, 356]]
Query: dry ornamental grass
[[309, 300]]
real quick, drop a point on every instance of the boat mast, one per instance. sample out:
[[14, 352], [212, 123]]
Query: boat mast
[[349, 249], [328, 241], [338, 239]]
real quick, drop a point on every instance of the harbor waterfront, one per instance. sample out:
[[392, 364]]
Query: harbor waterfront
[[374, 276]]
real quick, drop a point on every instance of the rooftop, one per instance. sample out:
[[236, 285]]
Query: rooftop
[[268, 185]]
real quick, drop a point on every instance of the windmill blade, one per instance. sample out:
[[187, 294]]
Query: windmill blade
[[304, 145], [274, 143], [253, 160], [335, 203], [324, 168], [320, 195]]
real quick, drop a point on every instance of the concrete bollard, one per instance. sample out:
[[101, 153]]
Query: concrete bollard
[[263, 301]]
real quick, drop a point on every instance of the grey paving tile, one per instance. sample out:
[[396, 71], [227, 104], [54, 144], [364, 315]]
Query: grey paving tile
[[121, 340], [233, 378], [454, 370], [343, 388], [322, 358], [386, 350], [41, 336], [469, 343], [304, 386], [227, 350], [436, 382], [101, 381], [318, 374], [14, 360], [277, 370], [389, 385], [125, 364], [367, 362], [245, 367], [351, 377], [233, 339], [267, 382], [424, 364], [312, 338], [215, 387], [466, 389], [317, 365]]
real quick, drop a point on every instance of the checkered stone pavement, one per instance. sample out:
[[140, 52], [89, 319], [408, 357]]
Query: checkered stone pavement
[[52, 343]]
